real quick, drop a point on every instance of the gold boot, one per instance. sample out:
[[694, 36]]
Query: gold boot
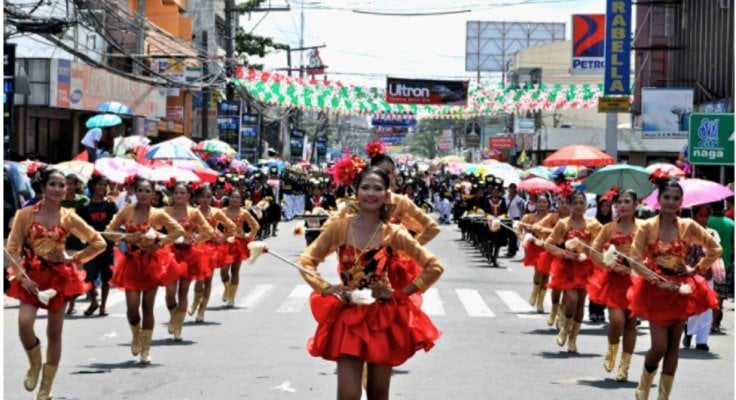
[[34, 359], [645, 383], [47, 379], [146, 337], [195, 303], [665, 386], [609, 361], [540, 300], [226, 293], [202, 307], [180, 315], [135, 344], [572, 339], [623, 367], [564, 331], [553, 315], [172, 320], [535, 293], [233, 292]]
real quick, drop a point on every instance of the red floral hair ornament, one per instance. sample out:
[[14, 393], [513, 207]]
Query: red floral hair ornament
[[566, 189], [194, 186], [659, 176], [611, 195], [130, 180], [170, 184], [375, 148], [347, 169], [34, 167], [228, 187]]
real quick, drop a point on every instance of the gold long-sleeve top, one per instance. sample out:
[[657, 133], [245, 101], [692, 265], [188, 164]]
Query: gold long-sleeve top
[[610, 234], [196, 227], [335, 235], [413, 218], [216, 217], [244, 216], [654, 253], [527, 223], [44, 240], [563, 231], [543, 228], [157, 219]]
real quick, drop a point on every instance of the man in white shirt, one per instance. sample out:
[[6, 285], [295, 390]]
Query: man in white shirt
[[516, 208], [126, 197]]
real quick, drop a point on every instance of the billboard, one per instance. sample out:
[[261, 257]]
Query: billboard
[[296, 144], [666, 112], [588, 43], [711, 139], [249, 129], [618, 48], [424, 91], [406, 119], [228, 122], [501, 142]]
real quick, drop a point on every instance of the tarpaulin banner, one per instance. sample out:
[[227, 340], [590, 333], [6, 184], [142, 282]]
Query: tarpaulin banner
[[422, 91]]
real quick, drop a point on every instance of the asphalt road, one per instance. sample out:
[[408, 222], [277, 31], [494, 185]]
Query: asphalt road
[[493, 345]]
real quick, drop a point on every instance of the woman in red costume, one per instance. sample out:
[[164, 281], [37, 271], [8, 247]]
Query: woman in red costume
[[532, 251], [238, 249], [571, 268], [42, 230], [661, 245], [217, 249], [147, 264], [188, 251], [389, 330], [609, 284]]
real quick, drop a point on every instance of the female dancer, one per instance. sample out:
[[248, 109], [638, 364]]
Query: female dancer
[[571, 268], [44, 228], [147, 264], [187, 251], [661, 245], [608, 285], [604, 215], [238, 249], [217, 249], [387, 332], [532, 252]]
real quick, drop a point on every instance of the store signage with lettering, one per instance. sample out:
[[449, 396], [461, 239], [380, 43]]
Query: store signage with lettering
[[588, 46], [501, 142], [421, 91], [711, 139], [618, 47]]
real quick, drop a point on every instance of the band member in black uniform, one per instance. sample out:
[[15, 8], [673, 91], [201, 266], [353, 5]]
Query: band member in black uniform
[[496, 206], [273, 212]]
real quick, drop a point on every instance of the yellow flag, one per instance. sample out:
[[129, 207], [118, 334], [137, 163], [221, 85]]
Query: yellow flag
[[522, 157]]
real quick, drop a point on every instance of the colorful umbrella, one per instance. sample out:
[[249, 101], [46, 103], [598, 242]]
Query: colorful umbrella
[[214, 146], [116, 169], [508, 177], [179, 141], [170, 152], [539, 171], [670, 169], [578, 155], [696, 192], [164, 174], [114, 107], [537, 185], [206, 174], [622, 175], [103, 121], [81, 169], [125, 144]]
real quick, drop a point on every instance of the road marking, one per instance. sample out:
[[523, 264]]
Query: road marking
[[431, 302], [473, 303], [255, 296], [517, 304], [297, 299]]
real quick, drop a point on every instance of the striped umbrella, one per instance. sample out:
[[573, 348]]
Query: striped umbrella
[[170, 152], [114, 107]]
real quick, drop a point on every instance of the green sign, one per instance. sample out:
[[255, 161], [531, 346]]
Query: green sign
[[711, 139]]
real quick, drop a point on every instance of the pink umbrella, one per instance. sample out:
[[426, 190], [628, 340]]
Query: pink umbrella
[[697, 192], [166, 173], [671, 169], [116, 169], [537, 185]]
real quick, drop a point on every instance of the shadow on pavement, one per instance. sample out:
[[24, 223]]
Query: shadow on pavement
[[565, 354], [549, 332], [203, 323], [108, 367], [608, 383], [690, 354]]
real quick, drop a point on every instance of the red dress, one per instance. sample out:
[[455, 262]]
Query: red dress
[[544, 263], [385, 333], [193, 258], [218, 254], [66, 279], [143, 270], [609, 287], [532, 252], [571, 274]]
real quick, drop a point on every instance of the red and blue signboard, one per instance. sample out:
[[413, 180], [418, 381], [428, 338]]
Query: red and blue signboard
[[617, 74], [588, 43]]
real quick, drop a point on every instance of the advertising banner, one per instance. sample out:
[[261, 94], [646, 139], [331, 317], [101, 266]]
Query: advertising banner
[[393, 140], [666, 112], [445, 141], [394, 119], [618, 48], [588, 43], [711, 139], [228, 122], [390, 130], [422, 91], [501, 142], [296, 144], [249, 129]]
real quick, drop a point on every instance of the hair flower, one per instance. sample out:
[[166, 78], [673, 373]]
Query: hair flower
[[375, 148]]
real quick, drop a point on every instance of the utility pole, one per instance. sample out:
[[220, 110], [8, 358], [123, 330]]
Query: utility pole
[[229, 47], [205, 89], [140, 37]]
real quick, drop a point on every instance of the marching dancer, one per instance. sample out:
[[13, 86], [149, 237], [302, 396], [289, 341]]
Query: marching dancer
[[42, 230], [532, 251], [238, 249]]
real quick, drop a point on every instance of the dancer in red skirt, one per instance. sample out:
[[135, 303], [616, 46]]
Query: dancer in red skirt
[[387, 332], [572, 267], [43, 229], [609, 284], [189, 251], [661, 245], [532, 251], [238, 249], [147, 264], [217, 249]]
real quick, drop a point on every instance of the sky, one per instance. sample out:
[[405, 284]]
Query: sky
[[363, 49]]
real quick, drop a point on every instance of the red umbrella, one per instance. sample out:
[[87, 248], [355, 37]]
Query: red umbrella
[[206, 174], [578, 155], [537, 185], [670, 169]]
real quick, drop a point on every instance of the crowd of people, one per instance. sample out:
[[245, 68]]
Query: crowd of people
[[143, 235]]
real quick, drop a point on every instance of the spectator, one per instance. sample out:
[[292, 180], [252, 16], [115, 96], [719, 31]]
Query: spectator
[[725, 228]]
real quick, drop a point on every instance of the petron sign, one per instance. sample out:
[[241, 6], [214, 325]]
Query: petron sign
[[711, 139], [618, 47], [588, 43]]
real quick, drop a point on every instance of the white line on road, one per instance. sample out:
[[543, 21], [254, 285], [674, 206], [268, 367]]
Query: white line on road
[[297, 299], [431, 302], [255, 296], [517, 304], [473, 303]]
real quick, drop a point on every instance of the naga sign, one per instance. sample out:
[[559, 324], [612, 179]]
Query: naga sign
[[422, 91]]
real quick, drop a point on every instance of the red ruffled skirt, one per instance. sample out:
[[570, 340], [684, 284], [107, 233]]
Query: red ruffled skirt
[[402, 271], [218, 254], [569, 274], [66, 279], [194, 260], [531, 254], [664, 307], [144, 270], [544, 262], [238, 250], [381, 333], [609, 288]]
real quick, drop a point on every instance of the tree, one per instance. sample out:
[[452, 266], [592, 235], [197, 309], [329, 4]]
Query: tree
[[248, 44], [423, 141]]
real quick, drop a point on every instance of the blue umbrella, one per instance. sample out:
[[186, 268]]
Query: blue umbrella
[[103, 121], [114, 107], [170, 152]]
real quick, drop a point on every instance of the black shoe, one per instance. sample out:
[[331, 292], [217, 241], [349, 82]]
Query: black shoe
[[686, 340], [702, 347]]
